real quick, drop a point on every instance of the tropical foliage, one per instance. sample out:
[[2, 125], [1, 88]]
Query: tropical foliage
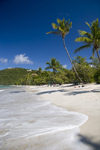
[[54, 65], [62, 28], [85, 70], [89, 72], [97, 76], [90, 39]]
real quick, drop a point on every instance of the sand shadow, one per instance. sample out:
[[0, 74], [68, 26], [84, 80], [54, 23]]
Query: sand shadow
[[82, 92], [16, 92], [77, 92], [69, 93], [89, 142], [95, 91], [50, 92]]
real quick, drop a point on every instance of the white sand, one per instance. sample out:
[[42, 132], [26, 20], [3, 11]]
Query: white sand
[[80, 99], [27, 122]]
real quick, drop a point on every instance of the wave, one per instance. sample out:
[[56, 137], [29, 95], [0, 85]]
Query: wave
[[1, 90], [27, 123]]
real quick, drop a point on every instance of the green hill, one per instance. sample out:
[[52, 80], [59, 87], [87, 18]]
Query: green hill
[[11, 75]]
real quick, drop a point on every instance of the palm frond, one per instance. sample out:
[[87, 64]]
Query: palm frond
[[47, 68], [95, 23], [90, 39], [54, 26], [84, 33], [69, 24], [54, 32], [82, 47], [83, 39], [61, 28], [95, 28], [48, 63], [88, 24], [58, 21]]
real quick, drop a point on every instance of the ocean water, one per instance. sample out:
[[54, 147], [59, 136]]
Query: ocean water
[[4, 86], [29, 123]]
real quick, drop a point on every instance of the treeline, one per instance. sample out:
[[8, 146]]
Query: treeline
[[55, 73]]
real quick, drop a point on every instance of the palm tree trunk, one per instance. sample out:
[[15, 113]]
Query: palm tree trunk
[[71, 62], [98, 54]]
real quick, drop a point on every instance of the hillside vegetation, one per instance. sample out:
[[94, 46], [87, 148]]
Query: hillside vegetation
[[10, 76], [54, 73]]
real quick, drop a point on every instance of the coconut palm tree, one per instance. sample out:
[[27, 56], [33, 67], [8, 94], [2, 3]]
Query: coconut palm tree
[[54, 65], [90, 39], [39, 71], [62, 28]]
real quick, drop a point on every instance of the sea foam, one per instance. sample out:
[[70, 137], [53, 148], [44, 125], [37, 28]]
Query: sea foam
[[27, 123], [1, 90]]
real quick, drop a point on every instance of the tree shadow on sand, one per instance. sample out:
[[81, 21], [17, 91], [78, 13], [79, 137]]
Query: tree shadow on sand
[[16, 92], [88, 142], [67, 92], [50, 92], [82, 92]]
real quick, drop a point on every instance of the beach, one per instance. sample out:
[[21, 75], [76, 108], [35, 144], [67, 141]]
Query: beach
[[85, 100], [62, 117]]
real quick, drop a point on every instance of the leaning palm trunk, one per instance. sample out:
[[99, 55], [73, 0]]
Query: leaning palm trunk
[[62, 28], [98, 54], [71, 62]]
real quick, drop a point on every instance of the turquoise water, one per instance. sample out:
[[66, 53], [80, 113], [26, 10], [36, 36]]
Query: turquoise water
[[4, 86]]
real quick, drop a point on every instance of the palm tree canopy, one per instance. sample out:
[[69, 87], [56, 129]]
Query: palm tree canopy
[[53, 64], [61, 28], [91, 38]]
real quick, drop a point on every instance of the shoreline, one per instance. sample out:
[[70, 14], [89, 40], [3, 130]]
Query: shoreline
[[65, 98], [30, 122], [83, 100]]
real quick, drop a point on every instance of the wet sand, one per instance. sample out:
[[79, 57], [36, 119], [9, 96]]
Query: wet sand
[[29, 123], [85, 100]]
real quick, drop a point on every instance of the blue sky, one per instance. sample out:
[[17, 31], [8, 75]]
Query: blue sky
[[23, 24]]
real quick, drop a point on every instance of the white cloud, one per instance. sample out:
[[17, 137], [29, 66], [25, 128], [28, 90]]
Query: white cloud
[[65, 66], [22, 59], [3, 60]]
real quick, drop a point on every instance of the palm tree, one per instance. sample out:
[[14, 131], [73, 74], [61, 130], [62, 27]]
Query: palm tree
[[62, 28], [90, 39], [53, 64], [39, 71]]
